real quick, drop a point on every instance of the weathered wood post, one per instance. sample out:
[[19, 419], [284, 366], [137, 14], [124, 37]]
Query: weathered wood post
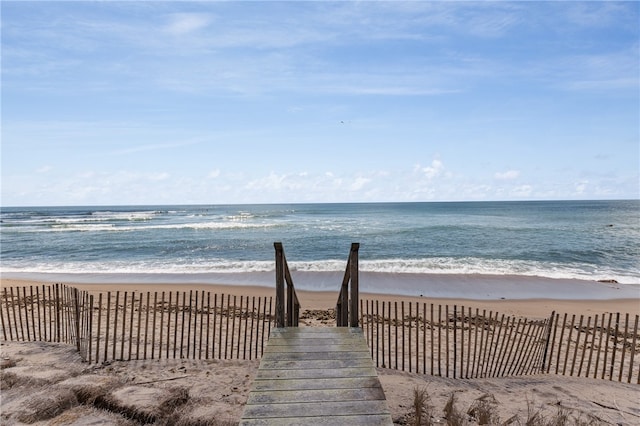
[[353, 266], [280, 302]]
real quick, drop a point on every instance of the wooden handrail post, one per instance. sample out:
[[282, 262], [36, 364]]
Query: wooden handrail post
[[280, 304], [348, 301], [342, 311], [353, 272]]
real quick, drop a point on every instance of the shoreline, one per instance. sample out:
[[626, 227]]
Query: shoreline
[[582, 303]]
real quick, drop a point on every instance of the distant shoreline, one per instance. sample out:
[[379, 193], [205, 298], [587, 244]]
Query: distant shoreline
[[506, 293], [453, 286]]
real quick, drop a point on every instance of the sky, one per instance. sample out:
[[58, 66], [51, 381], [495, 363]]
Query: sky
[[174, 102]]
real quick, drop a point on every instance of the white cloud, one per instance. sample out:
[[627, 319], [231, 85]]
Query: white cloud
[[158, 176], [434, 170], [44, 169], [522, 191], [580, 187], [508, 175], [184, 23], [359, 183], [214, 174]]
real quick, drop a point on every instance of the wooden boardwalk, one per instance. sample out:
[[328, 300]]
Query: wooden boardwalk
[[316, 376]]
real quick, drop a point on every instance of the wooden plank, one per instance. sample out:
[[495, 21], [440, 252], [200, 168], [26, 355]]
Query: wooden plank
[[360, 420], [316, 373], [302, 356], [315, 363], [324, 409], [315, 395], [306, 384], [320, 341], [311, 348]]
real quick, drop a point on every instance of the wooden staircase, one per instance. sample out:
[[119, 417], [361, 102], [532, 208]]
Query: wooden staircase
[[316, 376]]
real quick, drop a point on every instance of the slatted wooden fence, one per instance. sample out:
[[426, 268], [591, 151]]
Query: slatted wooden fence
[[441, 340], [458, 341], [124, 325], [603, 346]]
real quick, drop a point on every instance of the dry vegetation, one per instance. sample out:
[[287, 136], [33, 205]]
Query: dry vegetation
[[484, 411]]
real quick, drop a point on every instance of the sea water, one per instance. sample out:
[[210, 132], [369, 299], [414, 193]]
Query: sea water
[[587, 240]]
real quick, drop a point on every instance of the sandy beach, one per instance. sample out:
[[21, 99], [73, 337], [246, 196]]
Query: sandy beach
[[47, 383]]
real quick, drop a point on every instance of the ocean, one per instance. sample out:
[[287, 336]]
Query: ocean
[[583, 240]]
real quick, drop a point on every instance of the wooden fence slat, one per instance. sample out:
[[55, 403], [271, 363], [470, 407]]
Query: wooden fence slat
[[8, 326], [98, 330], [26, 312], [439, 340], [33, 319], [4, 325], [424, 338], [446, 339], [41, 323], [560, 342], [624, 346], [206, 356], [568, 349], [184, 313], [19, 313], [238, 317], [615, 345], [201, 324], [166, 307], [253, 316], [115, 324], [257, 315], [377, 334], [49, 305], [124, 325], [388, 334], [593, 343], [526, 351], [455, 340], [477, 361], [175, 324], [220, 312], [495, 356], [153, 326], [46, 307], [403, 327], [188, 323], [139, 328], [606, 347], [407, 333], [233, 324], [633, 351], [382, 348], [107, 327], [575, 351], [584, 346], [396, 332], [195, 324], [264, 311], [506, 345], [512, 363], [471, 366], [226, 337], [424, 342], [539, 340], [146, 325]]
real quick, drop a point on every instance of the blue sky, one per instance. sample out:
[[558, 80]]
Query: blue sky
[[264, 102]]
